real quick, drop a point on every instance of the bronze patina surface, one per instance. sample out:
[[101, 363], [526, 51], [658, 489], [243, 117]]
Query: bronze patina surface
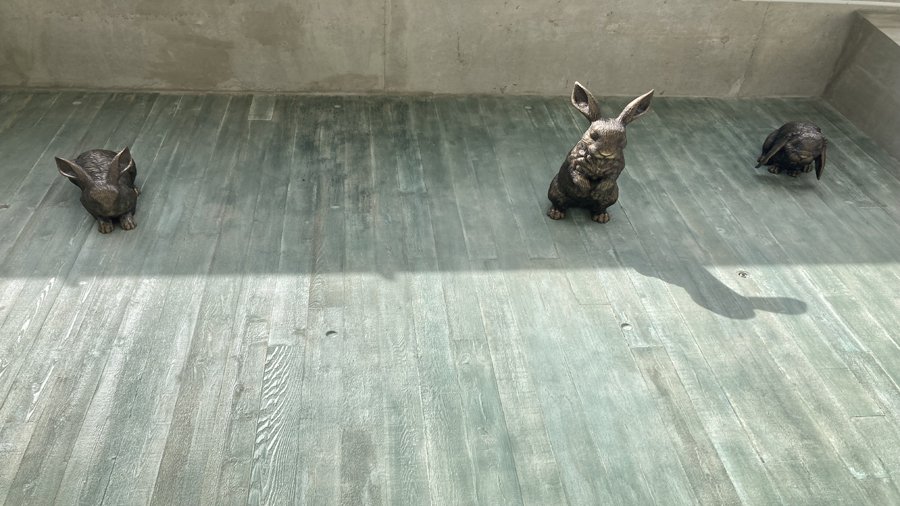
[[106, 179], [794, 148], [587, 177]]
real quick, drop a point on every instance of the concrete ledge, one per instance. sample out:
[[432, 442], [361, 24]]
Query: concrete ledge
[[866, 86]]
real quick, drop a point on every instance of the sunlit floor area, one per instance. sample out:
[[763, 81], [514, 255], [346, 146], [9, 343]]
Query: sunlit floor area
[[361, 300]]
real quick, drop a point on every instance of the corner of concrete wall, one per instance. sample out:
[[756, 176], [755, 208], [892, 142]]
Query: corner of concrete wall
[[866, 83]]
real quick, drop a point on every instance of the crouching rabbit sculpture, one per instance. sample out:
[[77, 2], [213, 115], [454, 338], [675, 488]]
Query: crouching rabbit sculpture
[[793, 148], [106, 180]]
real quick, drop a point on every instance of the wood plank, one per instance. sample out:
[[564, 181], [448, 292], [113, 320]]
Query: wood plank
[[476, 448], [884, 430], [276, 449], [27, 136], [258, 194], [498, 153], [612, 400], [446, 401], [207, 381], [255, 308], [363, 448], [408, 472], [49, 126], [319, 436], [262, 108], [12, 107], [700, 460], [464, 182]]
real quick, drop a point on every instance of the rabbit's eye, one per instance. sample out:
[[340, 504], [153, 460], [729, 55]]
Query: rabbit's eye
[[595, 135]]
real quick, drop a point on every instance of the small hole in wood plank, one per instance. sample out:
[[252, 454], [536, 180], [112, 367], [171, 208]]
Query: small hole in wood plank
[[331, 333], [743, 274], [626, 326], [4, 206]]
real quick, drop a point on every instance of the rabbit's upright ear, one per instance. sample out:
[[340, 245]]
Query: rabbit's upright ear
[[585, 102], [70, 169], [120, 163], [636, 108]]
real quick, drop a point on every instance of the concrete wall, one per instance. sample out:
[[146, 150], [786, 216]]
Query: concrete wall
[[617, 47], [866, 88]]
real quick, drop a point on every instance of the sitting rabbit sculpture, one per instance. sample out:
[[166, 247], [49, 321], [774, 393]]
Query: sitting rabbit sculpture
[[794, 147], [587, 177], [106, 179]]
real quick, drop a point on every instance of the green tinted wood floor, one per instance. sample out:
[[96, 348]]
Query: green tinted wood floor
[[359, 300]]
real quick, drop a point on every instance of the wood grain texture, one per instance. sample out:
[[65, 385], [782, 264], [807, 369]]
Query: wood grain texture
[[360, 300]]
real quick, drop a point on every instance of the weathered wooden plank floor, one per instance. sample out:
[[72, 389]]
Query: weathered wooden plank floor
[[359, 300]]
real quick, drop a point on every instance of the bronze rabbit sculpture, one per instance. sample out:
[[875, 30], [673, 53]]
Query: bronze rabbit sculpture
[[793, 148], [587, 177], [106, 179]]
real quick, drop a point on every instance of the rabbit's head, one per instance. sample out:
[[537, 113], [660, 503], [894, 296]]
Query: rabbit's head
[[803, 146], [104, 179], [604, 139], [803, 150]]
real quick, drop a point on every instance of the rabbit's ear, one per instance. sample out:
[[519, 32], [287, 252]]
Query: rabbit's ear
[[820, 161], [120, 163], [585, 102], [70, 169], [636, 108], [774, 146]]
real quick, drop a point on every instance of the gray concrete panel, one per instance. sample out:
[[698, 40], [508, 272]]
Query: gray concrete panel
[[618, 47]]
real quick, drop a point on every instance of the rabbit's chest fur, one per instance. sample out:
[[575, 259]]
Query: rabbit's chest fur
[[586, 175]]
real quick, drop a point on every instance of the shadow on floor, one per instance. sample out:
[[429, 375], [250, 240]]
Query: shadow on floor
[[714, 295]]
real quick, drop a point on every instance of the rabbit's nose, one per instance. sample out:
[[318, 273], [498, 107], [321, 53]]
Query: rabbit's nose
[[598, 151]]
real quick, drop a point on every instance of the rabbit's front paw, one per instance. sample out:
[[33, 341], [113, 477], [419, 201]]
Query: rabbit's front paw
[[600, 217], [774, 170], [556, 214], [127, 222], [105, 226]]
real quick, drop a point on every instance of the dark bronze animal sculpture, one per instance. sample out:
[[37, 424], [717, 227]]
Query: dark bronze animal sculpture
[[793, 148], [106, 179], [587, 177]]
